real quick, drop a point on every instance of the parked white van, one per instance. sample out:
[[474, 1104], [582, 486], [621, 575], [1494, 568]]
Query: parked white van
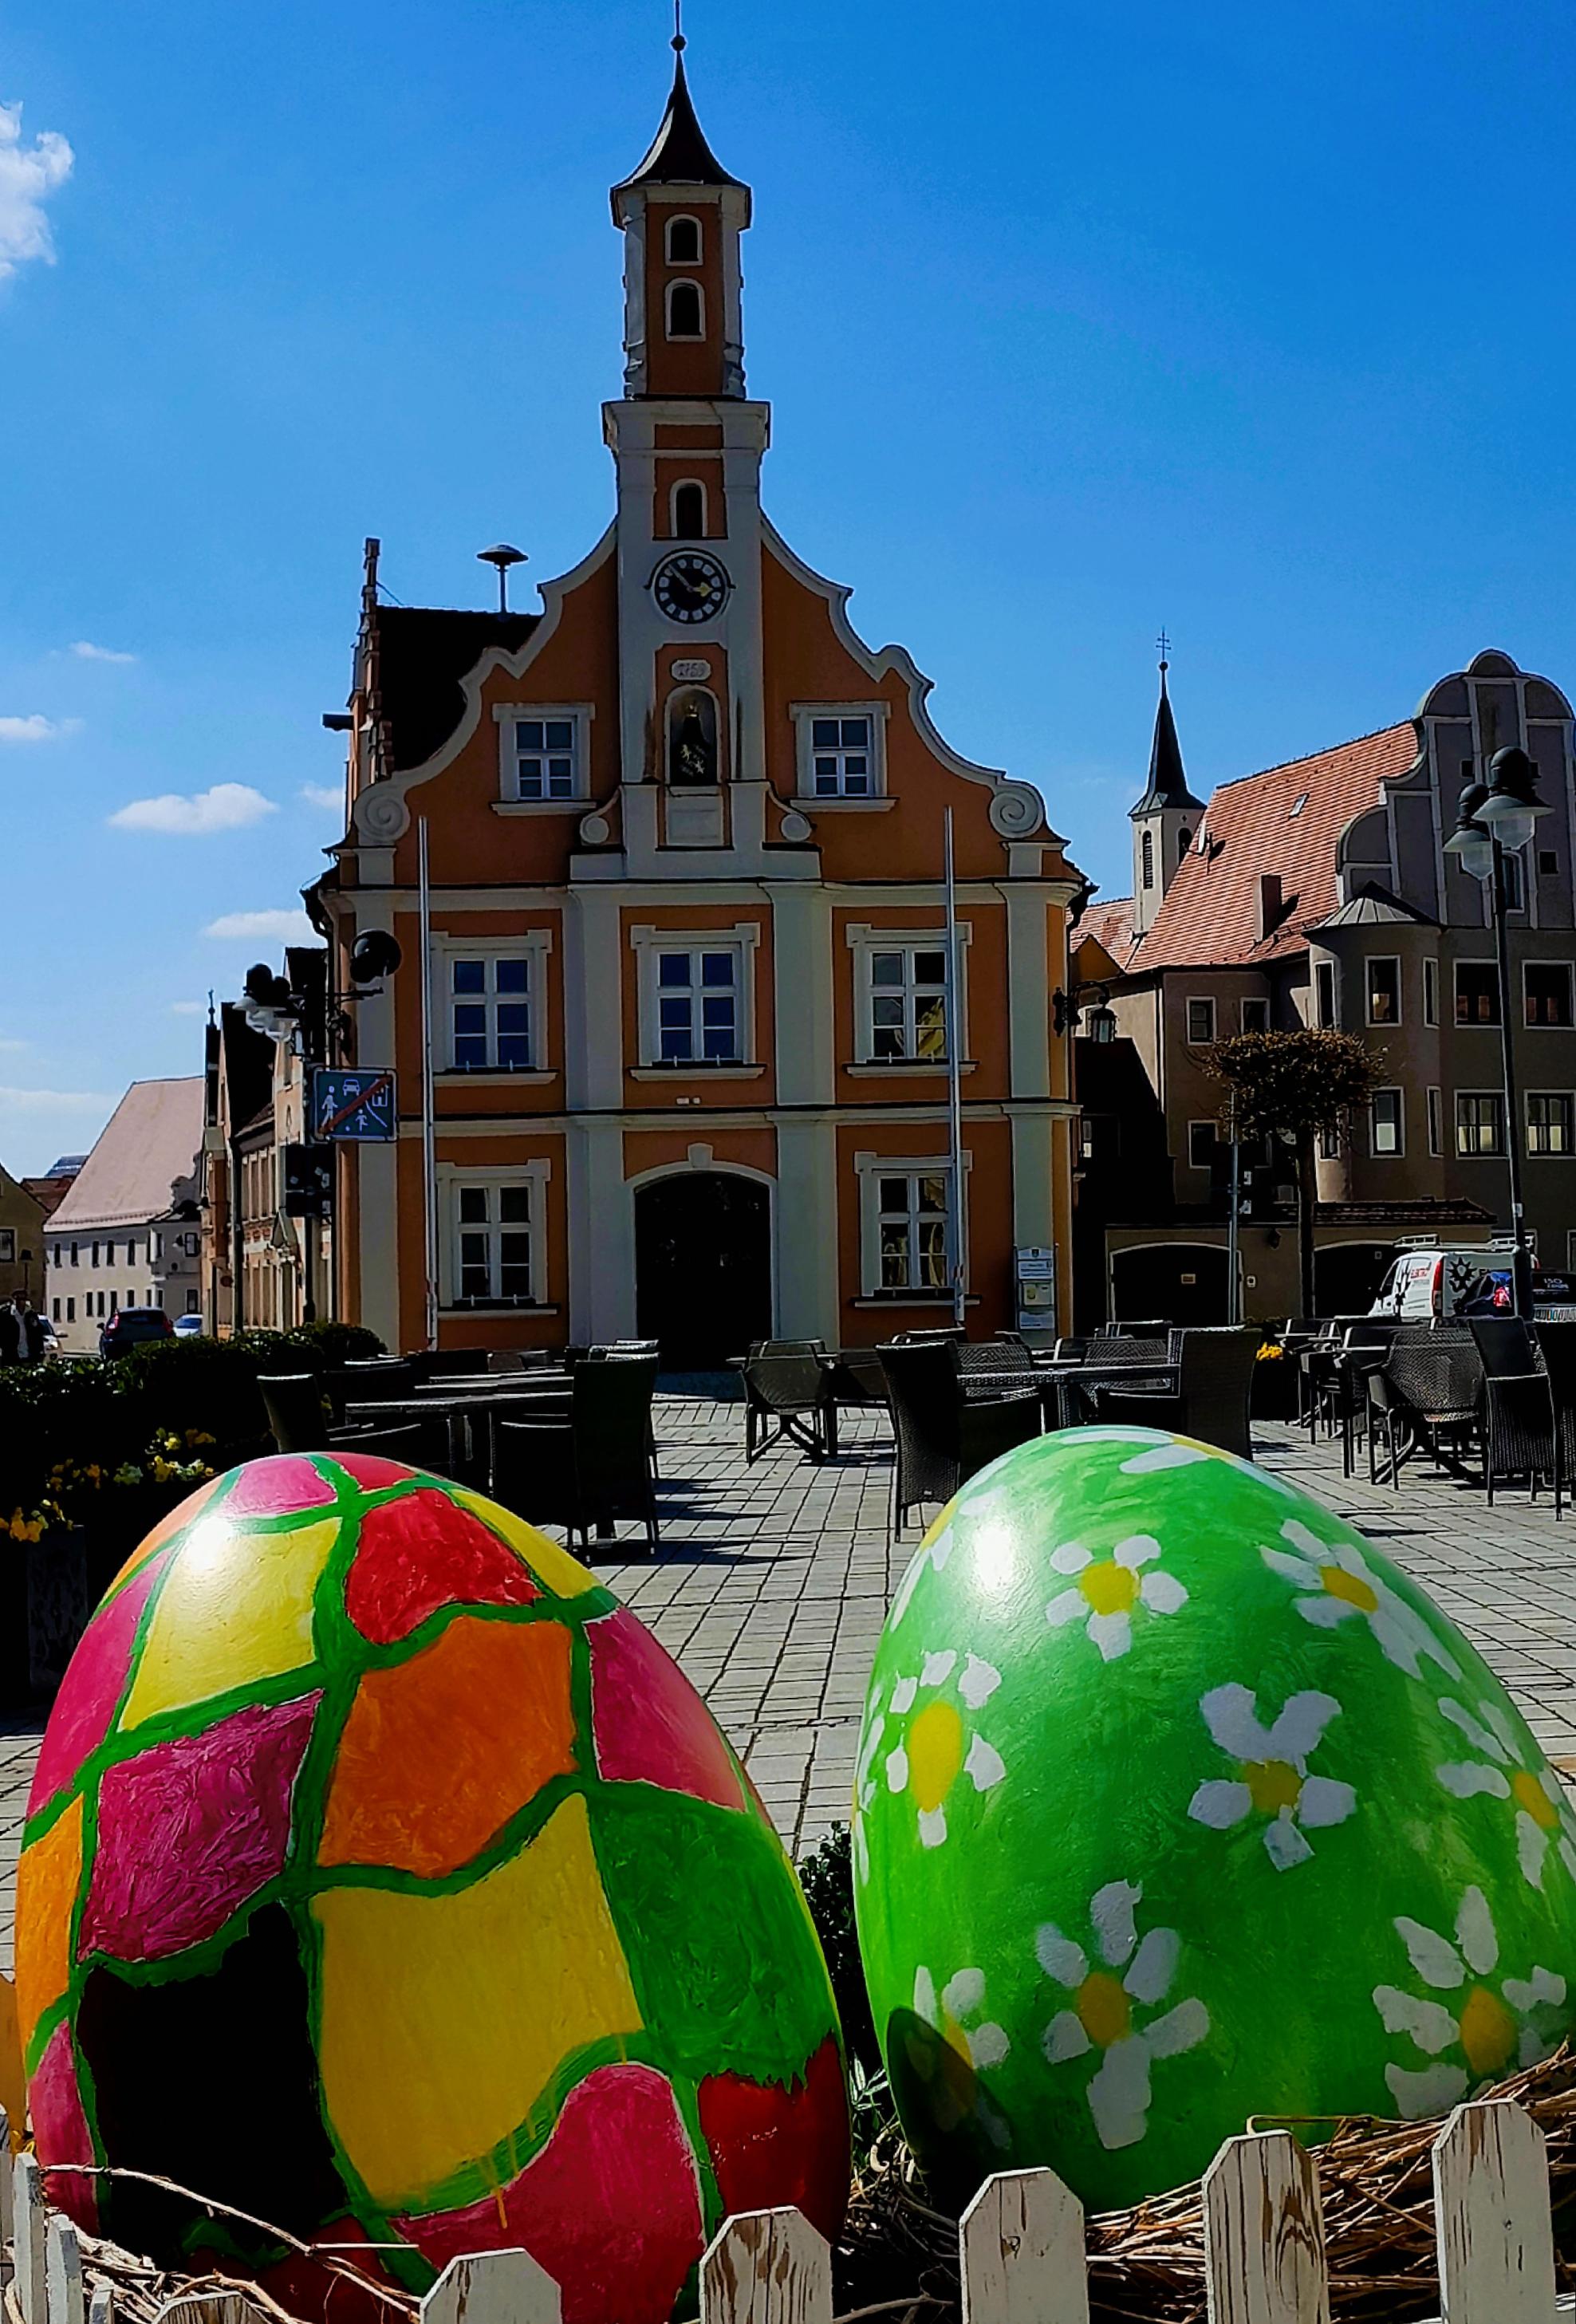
[[1436, 1281]]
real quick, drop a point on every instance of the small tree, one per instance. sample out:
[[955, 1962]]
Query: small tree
[[1295, 1085]]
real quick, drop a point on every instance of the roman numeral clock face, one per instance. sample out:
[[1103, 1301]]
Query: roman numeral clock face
[[691, 587]]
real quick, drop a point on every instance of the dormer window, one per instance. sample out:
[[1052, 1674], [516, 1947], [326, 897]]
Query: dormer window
[[683, 242], [686, 311], [688, 506]]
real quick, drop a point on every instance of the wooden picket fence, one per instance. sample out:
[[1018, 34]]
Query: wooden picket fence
[[1021, 2248]]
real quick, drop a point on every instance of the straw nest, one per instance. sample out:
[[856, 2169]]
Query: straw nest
[[898, 2256]]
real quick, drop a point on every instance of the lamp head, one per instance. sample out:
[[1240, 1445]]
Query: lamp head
[[1471, 842], [1512, 806]]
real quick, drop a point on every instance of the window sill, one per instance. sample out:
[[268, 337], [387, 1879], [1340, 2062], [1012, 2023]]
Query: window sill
[[494, 1076], [458, 1307], [694, 1070], [817, 803], [912, 1299], [903, 1069], [542, 806]]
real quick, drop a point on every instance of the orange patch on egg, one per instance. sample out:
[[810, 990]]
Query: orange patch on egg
[[46, 1891], [440, 1751]]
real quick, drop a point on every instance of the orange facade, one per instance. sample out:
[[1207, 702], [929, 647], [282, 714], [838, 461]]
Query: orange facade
[[684, 836]]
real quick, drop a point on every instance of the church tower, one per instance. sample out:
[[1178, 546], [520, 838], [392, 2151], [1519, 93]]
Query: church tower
[[687, 446], [1164, 820]]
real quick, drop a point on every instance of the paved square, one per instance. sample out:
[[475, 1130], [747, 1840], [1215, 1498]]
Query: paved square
[[774, 1581]]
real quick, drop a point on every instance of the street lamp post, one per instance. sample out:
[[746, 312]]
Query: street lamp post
[[1494, 820]]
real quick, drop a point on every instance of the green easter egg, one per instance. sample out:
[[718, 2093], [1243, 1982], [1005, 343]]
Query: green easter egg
[[1175, 1803]]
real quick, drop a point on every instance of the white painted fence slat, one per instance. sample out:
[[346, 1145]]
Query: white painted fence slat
[[500, 2287], [27, 2194], [766, 2267], [62, 2271], [101, 2307], [1264, 2235], [205, 2308], [1491, 2217], [1020, 2243]]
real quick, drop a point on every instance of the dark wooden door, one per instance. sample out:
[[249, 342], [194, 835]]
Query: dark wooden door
[[1184, 1282], [702, 1267]]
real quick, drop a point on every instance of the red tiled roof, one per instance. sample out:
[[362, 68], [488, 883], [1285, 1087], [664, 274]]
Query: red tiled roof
[[1109, 922], [1210, 916]]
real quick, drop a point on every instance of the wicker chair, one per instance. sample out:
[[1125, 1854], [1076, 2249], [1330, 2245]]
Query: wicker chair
[[786, 1397], [1436, 1386], [1214, 1389], [591, 1468], [298, 1411], [1520, 1435], [989, 1358], [942, 1438], [418, 1444], [1507, 1345], [1557, 1350]]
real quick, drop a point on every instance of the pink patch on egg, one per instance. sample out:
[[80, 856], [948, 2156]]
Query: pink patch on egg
[[91, 1690], [610, 2206], [276, 1488], [188, 1830], [649, 1725], [60, 2129], [423, 1552]]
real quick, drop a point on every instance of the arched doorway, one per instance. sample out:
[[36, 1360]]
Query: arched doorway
[[1347, 1275], [702, 1267], [1186, 1282]]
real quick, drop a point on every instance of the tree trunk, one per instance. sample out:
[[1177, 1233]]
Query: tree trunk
[[1307, 1197]]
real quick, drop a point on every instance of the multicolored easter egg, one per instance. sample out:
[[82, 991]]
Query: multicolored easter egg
[[384, 1880], [1176, 1803]]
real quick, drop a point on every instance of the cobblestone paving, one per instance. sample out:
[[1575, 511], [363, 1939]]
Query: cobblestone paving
[[773, 1582]]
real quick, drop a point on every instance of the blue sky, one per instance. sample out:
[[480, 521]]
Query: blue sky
[[1078, 320]]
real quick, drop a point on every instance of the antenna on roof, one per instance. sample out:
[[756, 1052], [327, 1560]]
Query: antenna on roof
[[502, 556]]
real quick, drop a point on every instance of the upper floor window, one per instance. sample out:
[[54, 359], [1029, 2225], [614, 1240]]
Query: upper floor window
[[1430, 992], [1515, 887], [1477, 992], [57, 1255], [698, 1007], [686, 311], [7, 1244], [1549, 1121], [682, 242], [1147, 851], [544, 758], [1324, 995], [1385, 1122], [907, 1003], [1479, 1122], [912, 1224], [492, 1251], [840, 749], [490, 1013], [1201, 1023], [1546, 985], [1255, 1015], [688, 510], [1384, 991]]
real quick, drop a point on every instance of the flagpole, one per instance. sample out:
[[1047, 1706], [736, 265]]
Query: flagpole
[[429, 1100], [955, 1089]]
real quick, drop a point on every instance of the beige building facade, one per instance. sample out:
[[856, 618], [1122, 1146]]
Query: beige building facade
[[128, 1232]]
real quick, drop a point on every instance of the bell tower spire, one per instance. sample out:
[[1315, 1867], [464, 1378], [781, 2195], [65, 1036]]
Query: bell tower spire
[[1165, 818]]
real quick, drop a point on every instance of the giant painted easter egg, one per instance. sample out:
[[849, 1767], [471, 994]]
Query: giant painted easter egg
[[386, 1880], [1177, 1802]]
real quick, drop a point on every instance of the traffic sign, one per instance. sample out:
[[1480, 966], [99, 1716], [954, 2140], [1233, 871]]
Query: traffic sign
[[353, 1104]]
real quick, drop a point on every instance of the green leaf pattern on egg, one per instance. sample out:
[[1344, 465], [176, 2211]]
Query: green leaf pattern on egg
[[1175, 1803]]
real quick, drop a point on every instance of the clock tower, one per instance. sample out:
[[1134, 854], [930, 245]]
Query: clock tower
[[687, 445]]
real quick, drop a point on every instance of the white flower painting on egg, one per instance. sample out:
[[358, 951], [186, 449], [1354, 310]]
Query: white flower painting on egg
[[1108, 1592], [1336, 1582], [934, 1745], [1106, 2012], [1272, 1779], [1545, 1824], [969, 2046], [1488, 2025]]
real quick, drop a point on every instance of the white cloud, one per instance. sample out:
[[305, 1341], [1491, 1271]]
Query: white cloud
[[35, 727], [286, 928], [86, 652], [188, 1009], [29, 175], [327, 796], [228, 806], [8, 1043], [37, 1101]]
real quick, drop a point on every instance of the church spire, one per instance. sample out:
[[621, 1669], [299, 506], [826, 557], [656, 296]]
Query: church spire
[[679, 155], [1167, 778], [1165, 818]]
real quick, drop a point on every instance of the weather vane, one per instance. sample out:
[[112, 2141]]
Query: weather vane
[[1163, 641]]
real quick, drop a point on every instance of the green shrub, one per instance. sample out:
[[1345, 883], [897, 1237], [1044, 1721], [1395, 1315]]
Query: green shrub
[[826, 1878]]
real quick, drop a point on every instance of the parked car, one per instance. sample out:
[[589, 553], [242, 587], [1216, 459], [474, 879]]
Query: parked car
[[1431, 1283], [191, 1327], [128, 1327]]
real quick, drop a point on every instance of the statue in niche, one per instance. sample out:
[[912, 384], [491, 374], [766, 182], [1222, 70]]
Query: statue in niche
[[692, 740]]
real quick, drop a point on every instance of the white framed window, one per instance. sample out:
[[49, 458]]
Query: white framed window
[[1201, 1023], [1436, 1122], [495, 1249], [1515, 890], [1386, 1122], [70, 1311], [841, 750], [54, 1311], [542, 752], [1549, 1122], [1430, 992], [697, 996], [193, 1303], [1480, 1123], [1477, 992], [1329, 1142], [682, 241], [686, 310], [1255, 1015], [490, 997], [904, 1233], [7, 1245], [900, 995], [1546, 992], [686, 510], [1384, 989], [1325, 1016], [1203, 1138]]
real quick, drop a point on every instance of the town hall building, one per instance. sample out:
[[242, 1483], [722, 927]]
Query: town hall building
[[685, 833]]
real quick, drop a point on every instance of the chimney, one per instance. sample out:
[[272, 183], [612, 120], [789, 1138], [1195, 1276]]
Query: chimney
[[1269, 903]]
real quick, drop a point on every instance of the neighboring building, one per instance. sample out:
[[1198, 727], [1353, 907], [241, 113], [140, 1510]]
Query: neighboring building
[[1318, 892], [253, 1107], [126, 1233], [50, 1189], [686, 836], [22, 1243]]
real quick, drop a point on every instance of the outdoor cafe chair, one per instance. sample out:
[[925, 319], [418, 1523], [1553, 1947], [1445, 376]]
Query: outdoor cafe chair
[[418, 1444], [1214, 1392], [298, 1411], [1557, 1348], [989, 1358], [942, 1439], [1506, 1345], [1520, 1434], [786, 1391], [586, 1468]]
